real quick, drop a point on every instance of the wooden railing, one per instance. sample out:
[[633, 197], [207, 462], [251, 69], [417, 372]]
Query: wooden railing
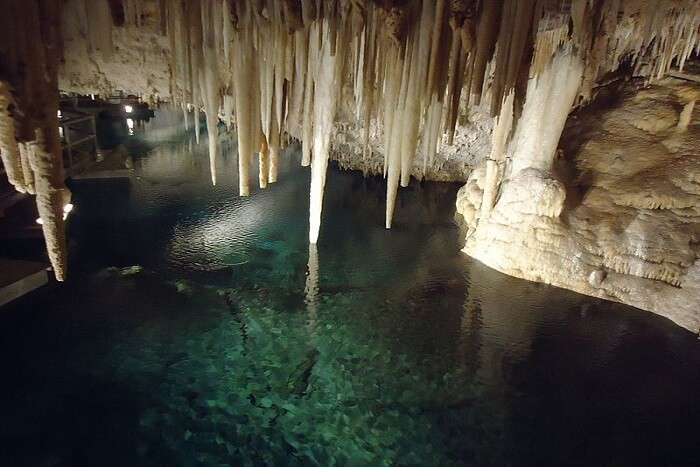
[[78, 139]]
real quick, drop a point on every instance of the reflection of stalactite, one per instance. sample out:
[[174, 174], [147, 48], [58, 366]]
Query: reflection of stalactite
[[237, 314], [311, 288]]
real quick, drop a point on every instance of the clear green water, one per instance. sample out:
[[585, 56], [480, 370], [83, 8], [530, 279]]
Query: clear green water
[[237, 346]]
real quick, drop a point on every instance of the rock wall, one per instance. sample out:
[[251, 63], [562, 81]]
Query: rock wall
[[619, 215]]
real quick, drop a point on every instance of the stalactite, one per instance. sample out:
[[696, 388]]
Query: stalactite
[[210, 85], [274, 152], [273, 68], [9, 151], [186, 116], [30, 51], [311, 71], [418, 71], [263, 162], [244, 85], [196, 123], [325, 100], [549, 99], [27, 172], [228, 111], [298, 87], [99, 26], [48, 178], [487, 33], [194, 29], [435, 46]]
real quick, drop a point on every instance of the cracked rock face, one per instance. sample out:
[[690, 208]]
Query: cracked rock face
[[630, 227], [450, 163], [101, 67]]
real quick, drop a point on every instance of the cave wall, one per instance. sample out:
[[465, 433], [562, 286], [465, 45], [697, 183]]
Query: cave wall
[[618, 216]]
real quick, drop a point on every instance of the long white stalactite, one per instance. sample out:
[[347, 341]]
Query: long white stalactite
[[29, 138], [325, 101], [405, 65], [281, 69]]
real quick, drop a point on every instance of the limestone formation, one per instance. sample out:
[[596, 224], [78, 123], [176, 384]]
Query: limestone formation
[[429, 89], [629, 228], [30, 50]]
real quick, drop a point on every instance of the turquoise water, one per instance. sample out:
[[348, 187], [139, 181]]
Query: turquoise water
[[231, 343]]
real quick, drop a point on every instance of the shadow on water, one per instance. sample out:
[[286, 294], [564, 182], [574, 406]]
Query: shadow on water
[[233, 343]]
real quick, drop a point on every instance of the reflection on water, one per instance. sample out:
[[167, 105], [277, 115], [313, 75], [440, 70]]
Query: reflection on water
[[239, 344]]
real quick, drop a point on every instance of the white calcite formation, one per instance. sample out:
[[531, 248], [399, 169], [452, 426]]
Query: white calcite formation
[[407, 78], [414, 88], [30, 50], [618, 217]]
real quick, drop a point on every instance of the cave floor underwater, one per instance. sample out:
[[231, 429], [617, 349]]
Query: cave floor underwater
[[199, 328]]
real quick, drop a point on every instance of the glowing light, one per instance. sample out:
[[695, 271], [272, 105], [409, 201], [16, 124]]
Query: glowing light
[[60, 131], [67, 208], [59, 114], [130, 124], [128, 109], [92, 96]]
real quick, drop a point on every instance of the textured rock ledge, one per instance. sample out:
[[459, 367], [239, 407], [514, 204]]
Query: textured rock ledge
[[629, 229], [450, 163]]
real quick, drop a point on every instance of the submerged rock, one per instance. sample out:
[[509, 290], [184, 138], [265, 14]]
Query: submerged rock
[[131, 271]]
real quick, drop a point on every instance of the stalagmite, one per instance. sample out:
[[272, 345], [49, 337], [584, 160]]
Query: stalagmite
[[499, 139]]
